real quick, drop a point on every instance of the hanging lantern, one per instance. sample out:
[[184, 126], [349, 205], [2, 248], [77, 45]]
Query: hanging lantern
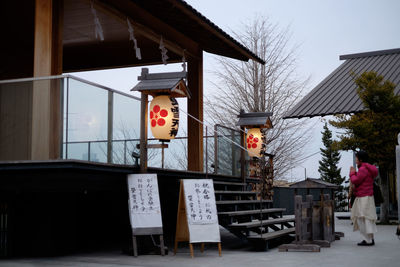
[[256, 123], [164, 117], [254, 142]]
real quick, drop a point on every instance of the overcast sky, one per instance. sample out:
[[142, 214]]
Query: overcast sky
[[322, 29]]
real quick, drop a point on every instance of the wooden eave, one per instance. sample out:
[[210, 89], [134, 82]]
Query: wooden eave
[[184, 31]]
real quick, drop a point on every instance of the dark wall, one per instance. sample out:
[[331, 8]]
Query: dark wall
[[59, 210], [52, 212]]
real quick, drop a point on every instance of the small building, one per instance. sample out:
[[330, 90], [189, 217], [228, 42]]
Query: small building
[[284, 195]]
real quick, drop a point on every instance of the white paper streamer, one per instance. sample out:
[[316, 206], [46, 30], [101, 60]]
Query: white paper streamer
[[164, 51], [132, 37], [98, 30], [184, 62]]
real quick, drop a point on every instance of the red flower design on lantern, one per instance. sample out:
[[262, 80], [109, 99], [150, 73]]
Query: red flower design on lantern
[[252, 141], [157, 115]]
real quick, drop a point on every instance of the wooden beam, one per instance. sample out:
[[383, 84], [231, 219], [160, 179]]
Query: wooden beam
[[195, 108], [150, 26], [46, 95]]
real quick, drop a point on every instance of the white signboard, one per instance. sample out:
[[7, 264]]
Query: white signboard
[[144, 201], [201, 210]]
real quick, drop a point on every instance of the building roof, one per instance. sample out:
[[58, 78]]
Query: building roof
[[185, 31], [172, 83], [176, 21], [337, 93], [250, 119], [192, 23], [313, 183]]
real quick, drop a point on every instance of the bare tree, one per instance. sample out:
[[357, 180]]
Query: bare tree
[[273, 87]]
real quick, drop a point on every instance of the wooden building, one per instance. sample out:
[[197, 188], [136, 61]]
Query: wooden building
[[54, 204]]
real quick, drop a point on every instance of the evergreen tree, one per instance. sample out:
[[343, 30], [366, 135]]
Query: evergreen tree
[[375, 129], [328, 168]]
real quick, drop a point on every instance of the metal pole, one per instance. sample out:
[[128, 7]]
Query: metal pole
[[215, 149], [398, 175], [88, 151], [305, 173], [162, 154], [206, 152], [66, 121], [242, 155], [110, 127], [124, 151]]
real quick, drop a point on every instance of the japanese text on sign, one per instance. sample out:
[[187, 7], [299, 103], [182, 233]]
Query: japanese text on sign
[[144, 195], [200, 202]]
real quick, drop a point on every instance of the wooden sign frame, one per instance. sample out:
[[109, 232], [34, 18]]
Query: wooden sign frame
[[182, 233], [142, 231]]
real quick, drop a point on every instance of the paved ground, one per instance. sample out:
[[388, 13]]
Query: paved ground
[[345, 252]]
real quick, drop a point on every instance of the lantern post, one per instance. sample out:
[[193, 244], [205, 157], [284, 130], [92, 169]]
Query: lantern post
[[164, 109], [254, 140]]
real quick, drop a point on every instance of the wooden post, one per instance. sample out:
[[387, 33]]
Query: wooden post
[[46, 95], [243, 155], [298, 216], [143, 133], [195, 108], [135, 250], [162, 247]]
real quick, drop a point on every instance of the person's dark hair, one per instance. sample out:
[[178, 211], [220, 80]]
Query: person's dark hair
[[362, 156]]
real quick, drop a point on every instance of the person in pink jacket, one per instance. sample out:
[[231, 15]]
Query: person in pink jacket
[[363, 212]]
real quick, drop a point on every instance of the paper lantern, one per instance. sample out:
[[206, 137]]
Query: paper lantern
[[254, 142], [164, 117]]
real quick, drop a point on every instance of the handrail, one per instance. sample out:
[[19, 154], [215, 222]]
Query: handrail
[[54, 77]]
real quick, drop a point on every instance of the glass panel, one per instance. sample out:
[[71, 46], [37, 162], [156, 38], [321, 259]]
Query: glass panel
[[98, 151], [78, 151], [228, 152], [126, 128], [176, 154], [87, 112], [209, 155]]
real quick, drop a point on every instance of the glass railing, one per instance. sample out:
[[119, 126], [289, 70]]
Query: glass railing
[[100, 124], [227, 151]]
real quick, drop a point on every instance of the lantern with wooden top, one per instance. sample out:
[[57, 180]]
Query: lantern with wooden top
[[255, 122], [164, 109]]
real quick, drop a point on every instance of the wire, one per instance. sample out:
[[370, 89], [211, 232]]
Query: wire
[[306, 157], [230, 140]]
